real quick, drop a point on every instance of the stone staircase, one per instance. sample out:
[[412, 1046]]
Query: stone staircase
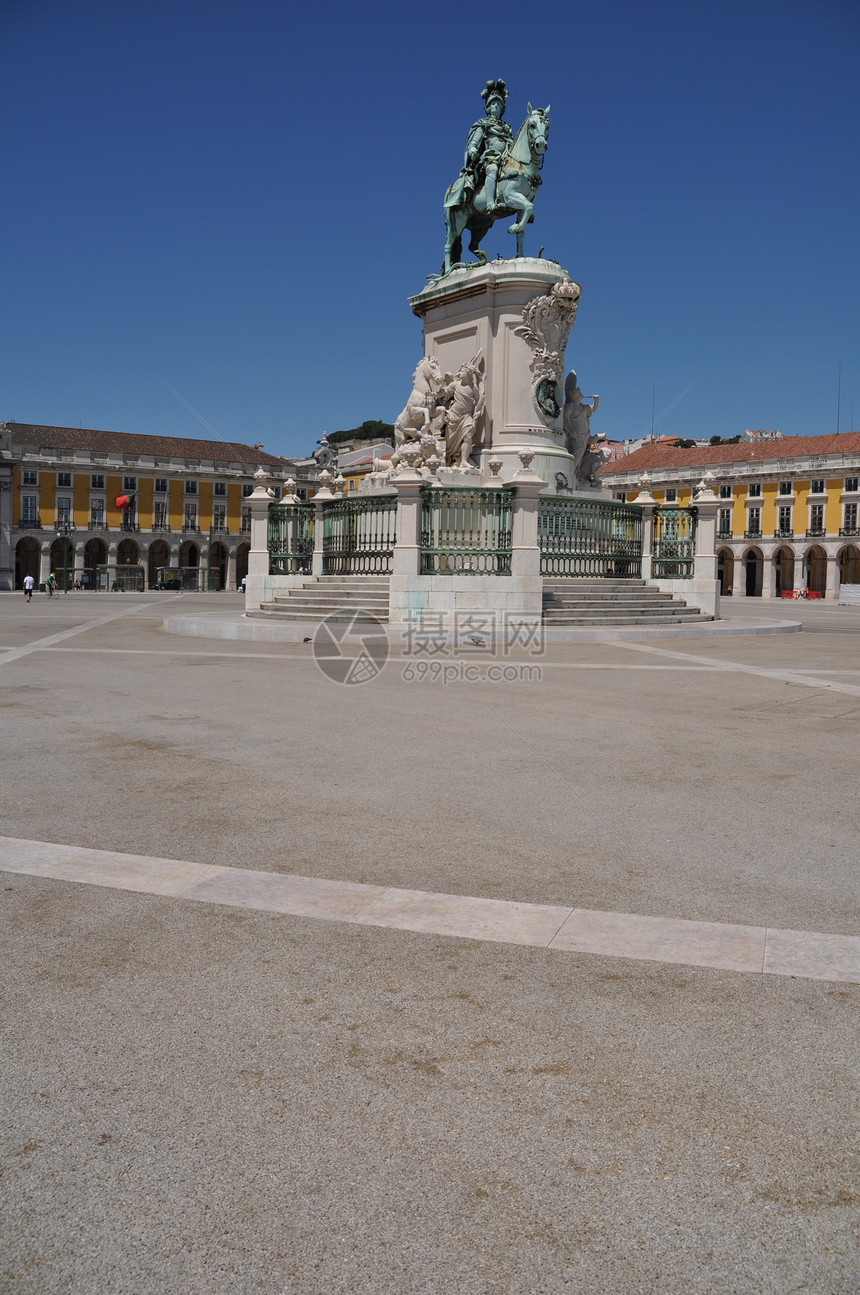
[[565, 602], [613, 602], [323, 596]]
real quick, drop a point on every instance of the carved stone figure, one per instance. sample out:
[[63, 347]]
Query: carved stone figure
[[464, 405], [547, 321], [499, 179], [420, 414], [577, 430], [592, 461], [442, 416]]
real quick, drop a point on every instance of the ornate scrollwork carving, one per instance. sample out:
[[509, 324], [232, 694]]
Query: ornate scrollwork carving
[[547, 321]]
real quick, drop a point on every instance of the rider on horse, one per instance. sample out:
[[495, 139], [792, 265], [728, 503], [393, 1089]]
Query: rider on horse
[[489, 140]]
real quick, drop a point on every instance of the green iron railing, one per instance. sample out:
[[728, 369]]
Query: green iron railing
[[291, 539], [359, 535], [673, 549], [466, 530], [584, 537]]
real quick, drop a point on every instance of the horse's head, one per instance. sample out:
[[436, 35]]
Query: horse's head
[[428, 373], [537, 125], [531, 141]]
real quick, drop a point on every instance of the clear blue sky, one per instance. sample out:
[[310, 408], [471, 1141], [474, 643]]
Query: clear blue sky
[[236, 198]]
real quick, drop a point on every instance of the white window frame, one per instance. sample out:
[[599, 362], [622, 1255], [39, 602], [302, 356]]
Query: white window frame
[[818, 486], [190, 488], [726, 492], [851, 484], [754, 529], [754, 490], [129, 483], [785, 488], [160, 486], [220, 488], [29, 505], [97, 481], [64, 480], [29, 477]]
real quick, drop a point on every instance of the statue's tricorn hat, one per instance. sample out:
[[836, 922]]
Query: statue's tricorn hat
[[494, 90]]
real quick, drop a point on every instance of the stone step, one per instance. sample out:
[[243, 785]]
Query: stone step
[[558, 583], [320, 609], [313, 615], [349, 582], [329, 595], [649, 613], [613, 598], [635, 609], [685, 619]]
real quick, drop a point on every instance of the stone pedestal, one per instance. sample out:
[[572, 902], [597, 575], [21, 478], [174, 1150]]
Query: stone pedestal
[[519, 314]]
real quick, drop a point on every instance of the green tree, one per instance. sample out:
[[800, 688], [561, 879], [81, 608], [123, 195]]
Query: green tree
[[370, 430]]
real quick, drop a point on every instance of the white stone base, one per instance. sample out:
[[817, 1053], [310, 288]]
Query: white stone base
[[701, 593], [261, 588], [480, 309], [513, 599]]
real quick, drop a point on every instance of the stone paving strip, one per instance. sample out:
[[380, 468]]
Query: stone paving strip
[[805, 954], [783, 676], [39, 645]]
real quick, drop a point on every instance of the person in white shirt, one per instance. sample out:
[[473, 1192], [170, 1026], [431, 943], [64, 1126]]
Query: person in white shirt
[[28, 587]]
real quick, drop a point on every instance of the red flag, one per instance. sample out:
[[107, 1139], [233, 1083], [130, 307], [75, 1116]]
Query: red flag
[[122, 501]]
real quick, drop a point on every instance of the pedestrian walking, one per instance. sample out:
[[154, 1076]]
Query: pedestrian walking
[[28, 588]]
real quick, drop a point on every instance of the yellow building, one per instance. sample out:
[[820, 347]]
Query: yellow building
[[789, 508], [104, 509]]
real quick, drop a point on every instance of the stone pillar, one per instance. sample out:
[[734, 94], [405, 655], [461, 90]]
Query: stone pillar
[[525, 549], [647, 503], [7, 548], [324, 493], [799, 573], [408, 483], [231, 568], [705, 592], [706, 535], [79, 559], [768, 575], [831, 583], [44, 561], [258, 558]]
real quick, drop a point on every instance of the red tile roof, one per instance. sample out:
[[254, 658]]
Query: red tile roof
[[37, 436], [703, 456]]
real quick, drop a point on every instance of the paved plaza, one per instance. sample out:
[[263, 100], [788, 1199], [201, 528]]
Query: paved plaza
[[537, 985]]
